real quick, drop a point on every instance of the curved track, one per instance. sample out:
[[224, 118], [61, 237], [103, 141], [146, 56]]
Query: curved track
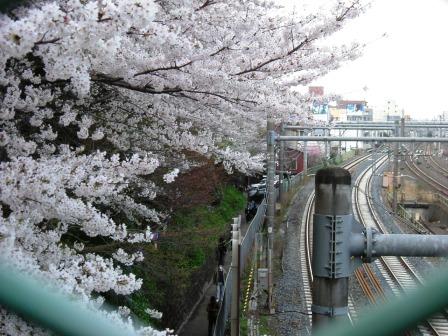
[[420, 173], [397, 271]]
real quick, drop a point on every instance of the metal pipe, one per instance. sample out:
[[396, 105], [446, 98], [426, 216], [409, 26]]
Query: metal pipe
[[410, 245], [338, 127], [400, 314], [406, 245], [363, 126], [389, 123], [363, 139], [39, 303]]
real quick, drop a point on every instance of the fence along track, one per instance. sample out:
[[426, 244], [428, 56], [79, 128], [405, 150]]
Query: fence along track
[[306, 244], [397, 271]]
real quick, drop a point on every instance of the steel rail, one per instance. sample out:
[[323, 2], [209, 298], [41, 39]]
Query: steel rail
[[397, 271], [425, 177], [437, 165], [376, 294]]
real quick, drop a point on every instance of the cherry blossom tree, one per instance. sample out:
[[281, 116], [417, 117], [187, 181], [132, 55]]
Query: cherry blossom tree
[[98, 96]]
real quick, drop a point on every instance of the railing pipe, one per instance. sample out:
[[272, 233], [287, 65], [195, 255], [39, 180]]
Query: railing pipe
[[394, 317], [36, 302]]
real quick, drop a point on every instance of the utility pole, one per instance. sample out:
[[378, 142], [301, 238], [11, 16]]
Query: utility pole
[[326, 146], [281, 166], [235, 269], [340, 147], [440, 135], [357, 135], [395, 171], [402, 129], [270, 206], [305, 159], [402, 156]]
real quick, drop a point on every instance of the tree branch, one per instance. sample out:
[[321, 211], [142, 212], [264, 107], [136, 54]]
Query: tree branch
[[262, 64], [174, 67]]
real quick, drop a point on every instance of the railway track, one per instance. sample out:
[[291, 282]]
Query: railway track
[[396, 271], [434, 163], [306, 244], [413, 166]]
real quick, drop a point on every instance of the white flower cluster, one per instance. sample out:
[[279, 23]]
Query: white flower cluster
[[169, 177], [153, 313]]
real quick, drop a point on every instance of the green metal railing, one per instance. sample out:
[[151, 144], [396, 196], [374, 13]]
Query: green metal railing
[[28, 298], [400, 314], [36, 302]]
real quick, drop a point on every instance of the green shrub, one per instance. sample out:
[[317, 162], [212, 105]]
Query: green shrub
[[191, 239]]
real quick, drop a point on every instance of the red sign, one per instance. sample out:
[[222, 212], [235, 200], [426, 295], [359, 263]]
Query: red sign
[[317, 91]]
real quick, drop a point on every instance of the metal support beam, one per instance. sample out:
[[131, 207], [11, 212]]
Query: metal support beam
[[374, 244], [363, 139], [391, 123], [364, 126]]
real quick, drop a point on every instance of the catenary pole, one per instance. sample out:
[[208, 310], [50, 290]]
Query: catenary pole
[[340, 147], [270, 205], [281, 165], [395, 171], [305, 158]]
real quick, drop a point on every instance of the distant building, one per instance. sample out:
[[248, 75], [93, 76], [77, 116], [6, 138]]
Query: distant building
[[351, 110], [355, 110], [318, 107], [337, 114], [393, 117]]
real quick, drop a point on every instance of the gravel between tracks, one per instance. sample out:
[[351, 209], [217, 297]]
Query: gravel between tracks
[[290, 303]]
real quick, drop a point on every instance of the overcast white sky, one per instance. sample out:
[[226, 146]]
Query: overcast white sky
[[408, 67]]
